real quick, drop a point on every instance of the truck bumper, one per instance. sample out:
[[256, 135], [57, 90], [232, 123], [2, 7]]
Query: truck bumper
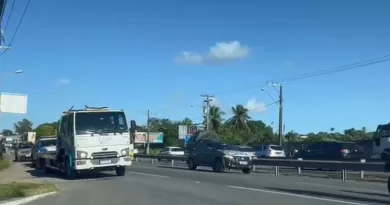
[[100, 164]]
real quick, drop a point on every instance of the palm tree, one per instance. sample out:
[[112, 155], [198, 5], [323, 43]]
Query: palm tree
[[215, 114], [240, 118]]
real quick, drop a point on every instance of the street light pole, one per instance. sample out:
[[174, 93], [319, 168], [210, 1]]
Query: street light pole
[[280, 91]]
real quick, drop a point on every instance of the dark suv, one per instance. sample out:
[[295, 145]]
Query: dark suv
[[332, 151], [219, 156]]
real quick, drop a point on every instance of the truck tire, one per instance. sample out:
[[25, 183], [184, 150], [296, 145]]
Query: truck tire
[[191, 164], [70, 174], [388, 185], [120, 171], [218, 166]]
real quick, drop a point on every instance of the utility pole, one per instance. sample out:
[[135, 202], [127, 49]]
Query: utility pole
[[147, 133], [207, 101], [280, 91]]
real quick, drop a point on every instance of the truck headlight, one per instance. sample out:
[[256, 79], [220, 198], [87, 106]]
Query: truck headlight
[[125, 152], [81, 154]]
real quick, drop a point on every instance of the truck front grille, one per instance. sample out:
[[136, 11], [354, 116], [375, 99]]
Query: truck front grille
[[101, 155], [97, 161], [242, 158]]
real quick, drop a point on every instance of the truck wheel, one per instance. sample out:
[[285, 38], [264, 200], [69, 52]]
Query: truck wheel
[[388, 185], [120, 171], [218, 166], [191, 165], [70, 174], [246, 170]]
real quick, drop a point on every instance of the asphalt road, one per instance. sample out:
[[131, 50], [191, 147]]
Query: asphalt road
[[351, 175], [150, 185]]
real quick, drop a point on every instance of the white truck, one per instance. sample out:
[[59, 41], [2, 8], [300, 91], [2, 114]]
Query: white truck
[[90, 139]]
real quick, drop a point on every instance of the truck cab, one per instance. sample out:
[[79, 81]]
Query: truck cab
[[91, 139]]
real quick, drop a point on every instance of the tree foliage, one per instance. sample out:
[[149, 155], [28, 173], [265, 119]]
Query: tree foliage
[[23, 126], [240, 128], [7, 132]]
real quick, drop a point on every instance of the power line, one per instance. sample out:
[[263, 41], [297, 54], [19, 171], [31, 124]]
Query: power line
[[20, 22], [317, 73], [9, 15]]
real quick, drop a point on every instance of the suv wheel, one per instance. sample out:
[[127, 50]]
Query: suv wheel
[[218, 166], [191, 165], [246, 170]]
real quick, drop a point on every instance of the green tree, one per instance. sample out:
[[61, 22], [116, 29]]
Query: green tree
[[23, 126], [216, 120], [7, 132], [46, 129], [239, 121]]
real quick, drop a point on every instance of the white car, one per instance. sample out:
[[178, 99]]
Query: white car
[[177, 151], [42, 146], [270, 150]]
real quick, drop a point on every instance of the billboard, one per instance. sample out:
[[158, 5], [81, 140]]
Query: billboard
[[183, 131], [31, 137], [154, 137], [13, 103]]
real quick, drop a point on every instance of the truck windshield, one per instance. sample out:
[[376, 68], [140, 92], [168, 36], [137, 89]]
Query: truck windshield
[[100, 122]]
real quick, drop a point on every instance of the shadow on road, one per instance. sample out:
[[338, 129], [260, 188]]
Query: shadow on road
[[198, 170], [367, 193], [331, 195], [39, 173]]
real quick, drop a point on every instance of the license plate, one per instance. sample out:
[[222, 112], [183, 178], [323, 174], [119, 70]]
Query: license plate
[[243, 163], [105, 161]]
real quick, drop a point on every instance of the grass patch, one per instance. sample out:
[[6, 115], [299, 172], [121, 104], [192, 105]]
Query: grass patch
[[13, 190], [4, 164]]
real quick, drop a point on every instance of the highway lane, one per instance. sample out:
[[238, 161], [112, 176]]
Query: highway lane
[[352, 175], [149, 185]]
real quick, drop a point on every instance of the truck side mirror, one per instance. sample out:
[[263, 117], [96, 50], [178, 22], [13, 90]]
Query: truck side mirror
[[133, 126]]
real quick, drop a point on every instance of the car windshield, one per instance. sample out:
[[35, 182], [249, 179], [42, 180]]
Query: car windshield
[[176, 150], [25, 145], [229, 147], [46, 143], [100, 122], [246, 149], [275, 147]]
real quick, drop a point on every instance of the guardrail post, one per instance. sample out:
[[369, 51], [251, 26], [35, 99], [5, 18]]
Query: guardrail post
[[276, 170], [152, 161], [343, 175], [173, 163], [300, 168], [361, 171]]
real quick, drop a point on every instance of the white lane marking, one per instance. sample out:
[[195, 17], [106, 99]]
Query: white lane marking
[[297, 195], [343, 188], [150, 175]]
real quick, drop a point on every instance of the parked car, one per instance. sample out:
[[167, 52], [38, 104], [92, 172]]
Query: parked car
[[23, 151], [218, 156], [177, 151], [269, 151]]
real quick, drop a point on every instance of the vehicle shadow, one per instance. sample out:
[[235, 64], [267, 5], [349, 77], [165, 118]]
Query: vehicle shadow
[[40, 173], [199, 170], [367, 193], [330, 195]]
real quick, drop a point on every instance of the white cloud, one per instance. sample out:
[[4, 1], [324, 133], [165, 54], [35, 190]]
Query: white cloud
[[222, 52], [254, 106], [64, 81]]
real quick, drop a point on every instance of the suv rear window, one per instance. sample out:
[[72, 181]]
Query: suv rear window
[[274, 147]]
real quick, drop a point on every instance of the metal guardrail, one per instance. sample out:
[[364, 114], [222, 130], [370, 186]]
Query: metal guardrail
[[343, 166]]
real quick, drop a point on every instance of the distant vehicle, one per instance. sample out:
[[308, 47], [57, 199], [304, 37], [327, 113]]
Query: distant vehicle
[[332, 151], [42, 145], [218, 156], [91, 139], [23, 151], [176, 151], [269, 151], [247, 150], [381, 140]]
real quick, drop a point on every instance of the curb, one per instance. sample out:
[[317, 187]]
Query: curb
[[28, 199]]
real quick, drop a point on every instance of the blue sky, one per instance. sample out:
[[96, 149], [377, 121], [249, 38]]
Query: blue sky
[[129, 54]]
